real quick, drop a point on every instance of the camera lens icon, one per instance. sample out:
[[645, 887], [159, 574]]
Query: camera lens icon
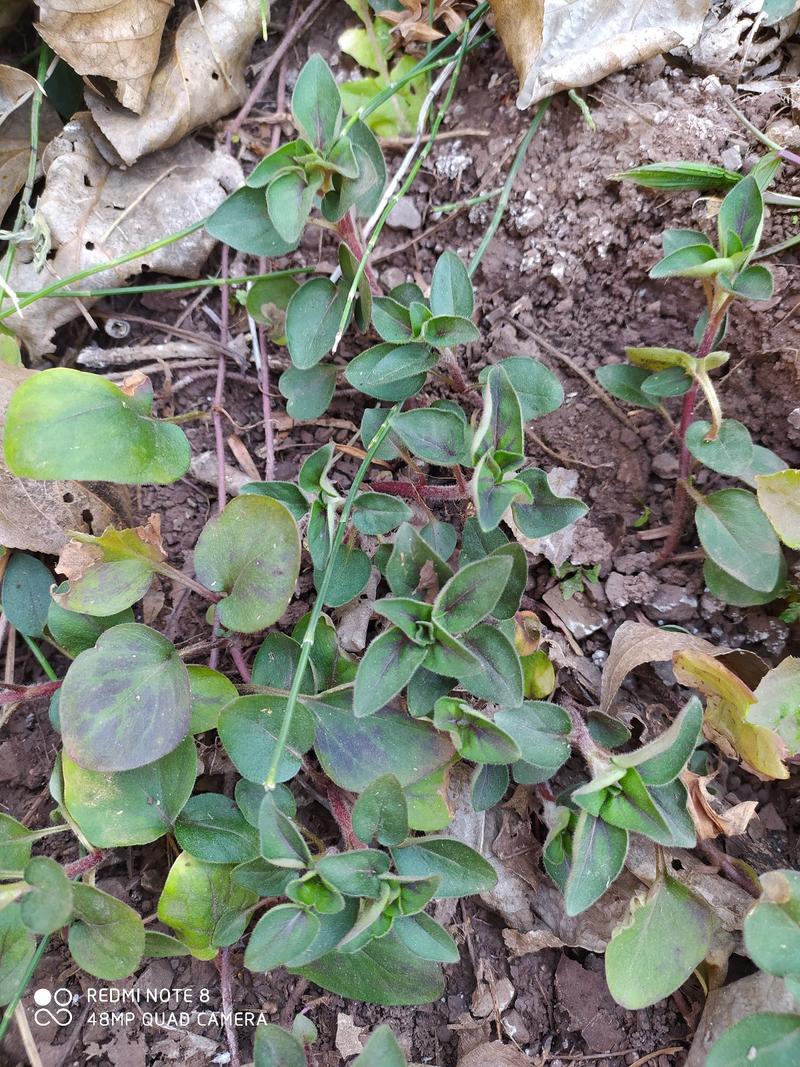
[[60, 999]]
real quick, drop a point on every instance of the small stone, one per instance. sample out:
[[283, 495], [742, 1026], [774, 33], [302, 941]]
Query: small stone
[[404, 215], [671, 603], [665, 465], [515, 1027], [624, 589], [483, 1003], [392, 277], [731, 158]]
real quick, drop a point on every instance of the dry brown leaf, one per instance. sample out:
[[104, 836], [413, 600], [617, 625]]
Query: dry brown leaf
[[561, 44], [495, 1054], [115, 39], [36, 515], [199, 80], [96, 212], [16, 94], [707, 820], [636, 643], [521, 943]]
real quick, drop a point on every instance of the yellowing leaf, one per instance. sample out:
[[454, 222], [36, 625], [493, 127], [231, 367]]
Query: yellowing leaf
[[759, 749], [777, 703], [200, 79], [560, 44], [118, 40], [779, 498]]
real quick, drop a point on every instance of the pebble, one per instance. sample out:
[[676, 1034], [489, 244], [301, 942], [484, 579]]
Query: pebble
[[665, 465], [672, 603], [404, 215]]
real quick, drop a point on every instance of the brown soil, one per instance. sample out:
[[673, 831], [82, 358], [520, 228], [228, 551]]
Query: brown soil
[[568, 265]]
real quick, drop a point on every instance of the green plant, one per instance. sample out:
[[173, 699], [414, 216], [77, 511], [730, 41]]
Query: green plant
[[276, 1047], [772, 940], [378, 746], [740, 531]]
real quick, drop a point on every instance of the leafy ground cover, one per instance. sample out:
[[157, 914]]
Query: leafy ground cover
[[368, 684]]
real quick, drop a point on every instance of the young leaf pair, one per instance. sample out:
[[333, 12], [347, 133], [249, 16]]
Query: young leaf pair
[[445, 638], [639, 792], [276, 1047], [499, 486], [415, 332], [341, 166]]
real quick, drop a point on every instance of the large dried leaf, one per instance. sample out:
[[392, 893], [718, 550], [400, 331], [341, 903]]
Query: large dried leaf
[[561, 44], [37, 515], [636, 643], [199, 80], [115, 39], [16, 95], [96, 212]]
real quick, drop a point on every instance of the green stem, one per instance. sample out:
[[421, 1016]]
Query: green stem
[[79, 276], [507, 186], [30, 178], [773, 250], [404, 187], [319, 603], [40, 657], [473, 201], [23, 985], [171, 287], [423, 67]]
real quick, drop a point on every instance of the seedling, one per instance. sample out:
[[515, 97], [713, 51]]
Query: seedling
[[741, 532]]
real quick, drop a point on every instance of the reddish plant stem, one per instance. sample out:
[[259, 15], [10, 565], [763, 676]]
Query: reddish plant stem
[[223, 962], [241, 664], [346, 229], [342, 813], [580, 738], [293, 31], [424, 492], [717, 858], [680, 500], [85, 863], [15, 694]]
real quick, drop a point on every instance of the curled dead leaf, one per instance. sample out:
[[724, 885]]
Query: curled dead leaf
[[708, 821], [96, 212], [120, 41], [199, 80], [36, 516], [637, 643], [559, 44], [521, 943]]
